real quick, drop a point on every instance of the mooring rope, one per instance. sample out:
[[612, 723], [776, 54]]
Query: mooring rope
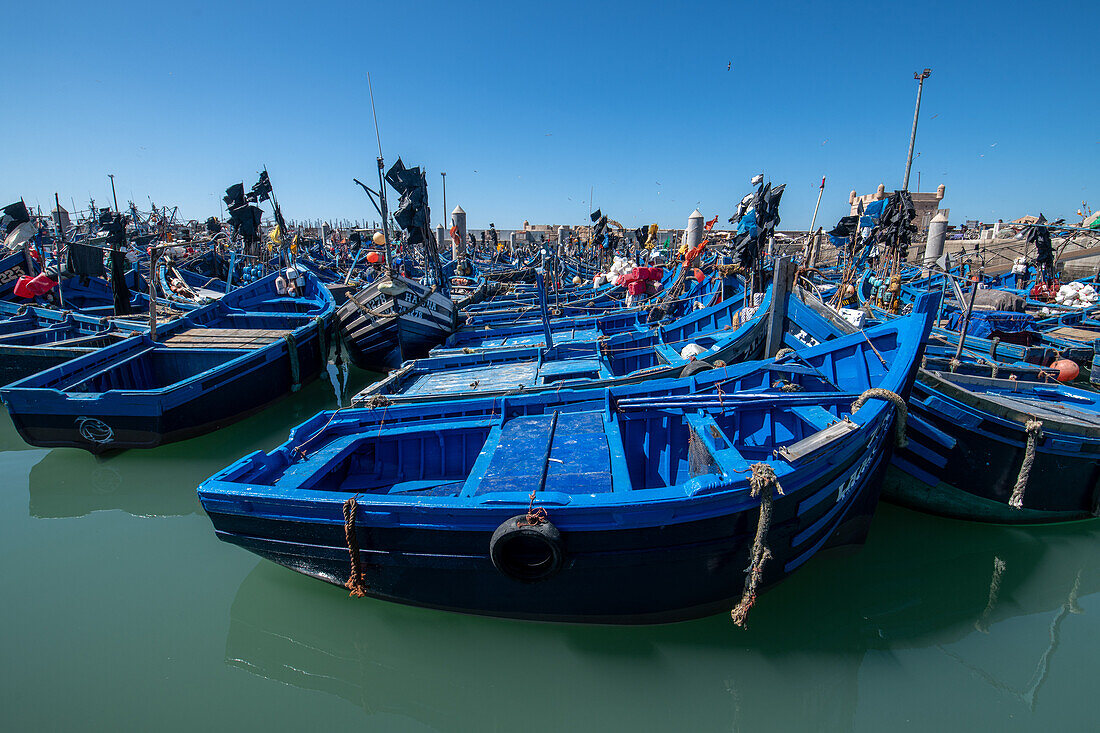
[[355, 580], [1034, 431], [903, 410], [761, 481], [785, 351]]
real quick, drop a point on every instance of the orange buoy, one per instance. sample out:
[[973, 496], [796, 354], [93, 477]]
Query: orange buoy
[[372, 257], [1067, 369]]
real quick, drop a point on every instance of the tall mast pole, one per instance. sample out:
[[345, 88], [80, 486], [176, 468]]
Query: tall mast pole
[[920, 76], [381, 182], [820, 191], [113, 196]]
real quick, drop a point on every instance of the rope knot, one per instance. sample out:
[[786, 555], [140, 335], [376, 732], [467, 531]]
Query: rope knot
[[378, 400], [786, 385]]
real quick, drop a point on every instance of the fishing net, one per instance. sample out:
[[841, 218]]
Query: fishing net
[[700, 460]]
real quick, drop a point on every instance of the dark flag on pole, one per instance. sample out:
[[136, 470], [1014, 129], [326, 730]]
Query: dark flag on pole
[[14, 215], [412, 210], [1038, 234], [262, 190], [245, 217]]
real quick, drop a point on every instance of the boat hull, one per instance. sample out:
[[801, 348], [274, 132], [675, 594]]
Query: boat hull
[[376, 340], [124, 419], [667, 571], [962, 463]]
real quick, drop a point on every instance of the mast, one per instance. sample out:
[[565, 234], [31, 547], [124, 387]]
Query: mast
[[384, 210]]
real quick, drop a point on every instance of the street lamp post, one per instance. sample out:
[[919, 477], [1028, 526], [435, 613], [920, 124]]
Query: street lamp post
[[920, 76]]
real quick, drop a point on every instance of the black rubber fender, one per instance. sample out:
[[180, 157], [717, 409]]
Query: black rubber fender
[[695, 367], [526, 552]]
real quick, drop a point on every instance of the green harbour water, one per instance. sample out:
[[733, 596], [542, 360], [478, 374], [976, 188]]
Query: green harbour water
[[122, 611]]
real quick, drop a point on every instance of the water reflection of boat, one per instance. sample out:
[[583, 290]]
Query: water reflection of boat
[[459, 672], [162, 481], [921, 582]]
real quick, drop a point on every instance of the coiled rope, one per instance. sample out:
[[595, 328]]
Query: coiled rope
[[1034, 431], [785, 385], [903, 410], [761, 481], [355, 580]]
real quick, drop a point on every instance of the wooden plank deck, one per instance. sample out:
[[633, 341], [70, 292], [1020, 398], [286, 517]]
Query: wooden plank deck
[[1074, 334], [226, 338]]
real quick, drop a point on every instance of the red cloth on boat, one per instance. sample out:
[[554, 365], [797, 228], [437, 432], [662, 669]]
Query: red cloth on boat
[[30, 287], [640, 274]]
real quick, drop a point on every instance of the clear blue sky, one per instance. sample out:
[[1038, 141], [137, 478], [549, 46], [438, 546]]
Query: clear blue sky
[[527, 105]]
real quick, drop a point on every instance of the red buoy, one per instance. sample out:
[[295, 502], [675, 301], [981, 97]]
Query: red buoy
[[372, 257], [1067, 369]]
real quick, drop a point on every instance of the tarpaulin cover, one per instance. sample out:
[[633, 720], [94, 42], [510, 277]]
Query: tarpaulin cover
[[758, 223], [86, 260], [30, 287], [872, 213], [984, 324]]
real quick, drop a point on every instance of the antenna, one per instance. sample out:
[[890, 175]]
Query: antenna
[[375, 113]]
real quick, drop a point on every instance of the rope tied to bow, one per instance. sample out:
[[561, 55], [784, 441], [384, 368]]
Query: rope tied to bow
[[899, 403], [355, 580], [378, 400], [1034, 431], [761, 481], [785, 351]]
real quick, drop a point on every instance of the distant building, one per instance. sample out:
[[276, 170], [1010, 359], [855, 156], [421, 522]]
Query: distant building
[[926, 204]]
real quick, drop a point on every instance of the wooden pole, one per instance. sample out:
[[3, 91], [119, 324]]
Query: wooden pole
[[782, 283], [153, 252], [966, 320]]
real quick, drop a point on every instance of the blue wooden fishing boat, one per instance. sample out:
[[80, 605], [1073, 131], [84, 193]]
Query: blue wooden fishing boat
[[635, 504], [392, 320], [1009, 450], [33, 339], [724, 333], [206, 370]]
